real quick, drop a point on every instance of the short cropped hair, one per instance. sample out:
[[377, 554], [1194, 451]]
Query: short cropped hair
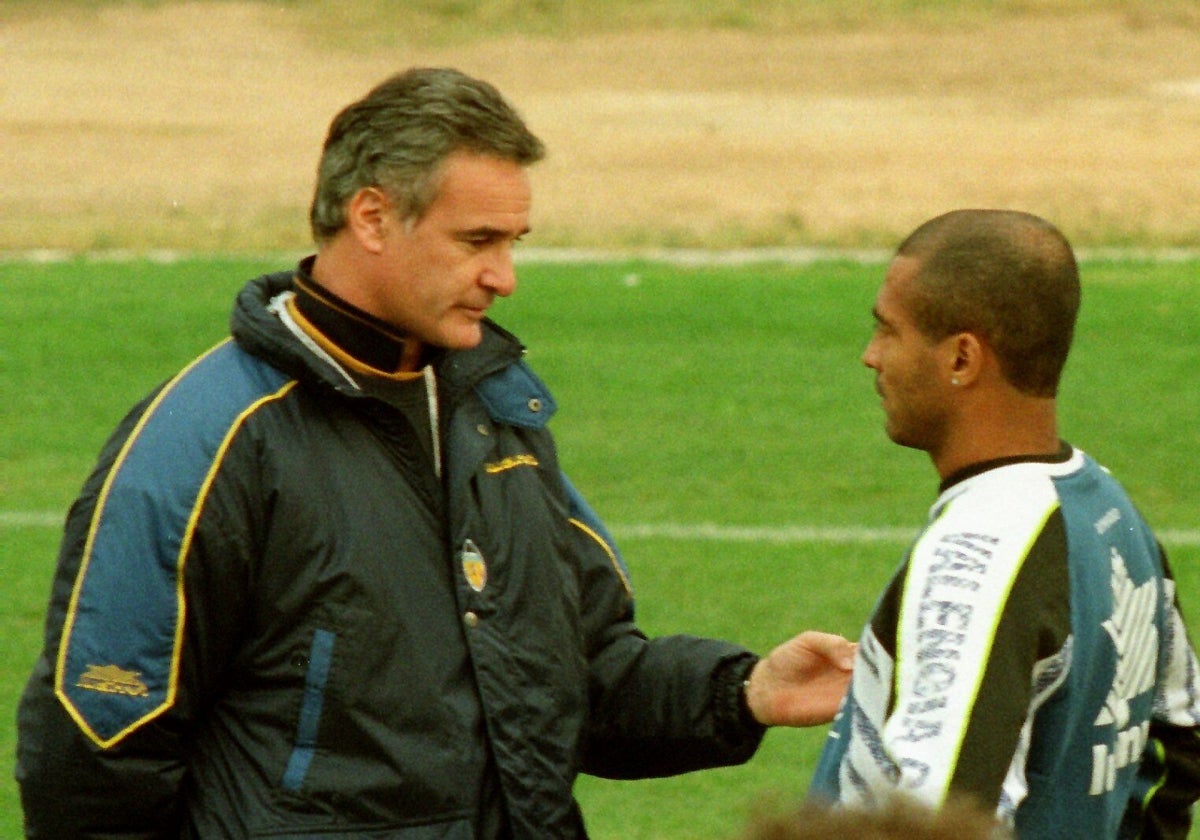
[[397, 136], [1009, 277]]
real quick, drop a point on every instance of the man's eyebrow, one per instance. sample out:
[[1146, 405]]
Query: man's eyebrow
[[489, 232]]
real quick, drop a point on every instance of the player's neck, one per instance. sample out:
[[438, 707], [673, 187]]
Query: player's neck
[[1023, 428]]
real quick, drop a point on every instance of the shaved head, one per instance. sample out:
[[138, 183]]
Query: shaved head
[[1009, 278]]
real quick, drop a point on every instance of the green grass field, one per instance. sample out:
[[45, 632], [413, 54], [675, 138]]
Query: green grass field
[[725, 396]]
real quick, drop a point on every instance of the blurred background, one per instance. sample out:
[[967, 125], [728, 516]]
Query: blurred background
[[731, 123]]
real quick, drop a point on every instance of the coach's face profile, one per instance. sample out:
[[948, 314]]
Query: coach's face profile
[[434, 277]]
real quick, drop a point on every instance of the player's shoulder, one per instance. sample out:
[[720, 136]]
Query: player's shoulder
[[1011, 494]]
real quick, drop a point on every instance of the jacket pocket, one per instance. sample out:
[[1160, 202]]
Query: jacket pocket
[[316, 681]]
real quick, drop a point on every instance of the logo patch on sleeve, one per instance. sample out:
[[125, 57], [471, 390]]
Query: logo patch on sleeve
[[111, 679]]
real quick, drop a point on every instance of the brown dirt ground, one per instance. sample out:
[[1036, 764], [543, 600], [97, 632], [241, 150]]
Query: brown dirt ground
[[196, 125]]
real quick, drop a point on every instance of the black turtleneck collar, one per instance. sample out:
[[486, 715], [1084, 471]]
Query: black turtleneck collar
[[363, 336]]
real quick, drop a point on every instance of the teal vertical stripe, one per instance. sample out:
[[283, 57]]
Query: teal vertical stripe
[[319, 659]]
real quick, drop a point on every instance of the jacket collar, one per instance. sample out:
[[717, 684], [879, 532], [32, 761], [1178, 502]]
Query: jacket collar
[[374, 344], [259, 331]]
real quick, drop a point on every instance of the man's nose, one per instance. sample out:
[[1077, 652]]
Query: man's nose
[[499, 274], [870, 357]]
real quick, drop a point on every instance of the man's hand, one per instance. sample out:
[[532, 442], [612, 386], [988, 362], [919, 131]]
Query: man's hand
[[801, 682]]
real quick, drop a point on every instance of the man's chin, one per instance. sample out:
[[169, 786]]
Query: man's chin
[[908, 442], [897, 436], [464, 338]]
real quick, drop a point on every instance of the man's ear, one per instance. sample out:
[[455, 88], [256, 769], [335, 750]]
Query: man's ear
[[368, 213], [966, 358]]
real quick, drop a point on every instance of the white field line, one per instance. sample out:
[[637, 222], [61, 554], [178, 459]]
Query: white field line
[[704, 531], [31, 519], [784, 534]]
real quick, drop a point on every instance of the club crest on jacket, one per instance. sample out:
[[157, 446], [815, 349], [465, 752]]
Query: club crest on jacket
[[473, 566]]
